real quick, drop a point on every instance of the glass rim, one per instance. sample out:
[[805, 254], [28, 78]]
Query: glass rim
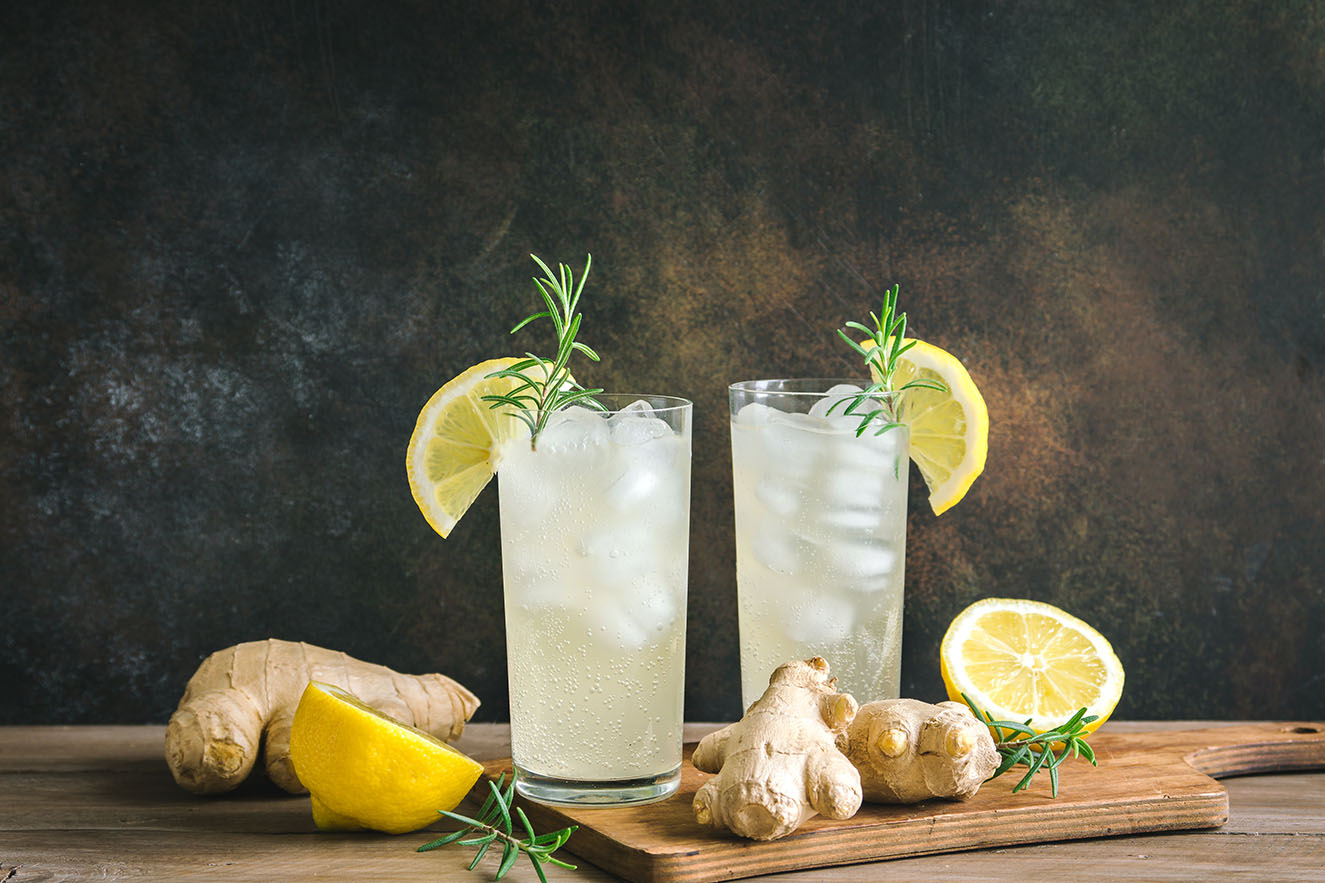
[[757, 387], [669, 403]]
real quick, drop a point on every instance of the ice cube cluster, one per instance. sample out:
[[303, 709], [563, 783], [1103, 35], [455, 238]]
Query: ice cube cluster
[[820, 536], [595, 525]]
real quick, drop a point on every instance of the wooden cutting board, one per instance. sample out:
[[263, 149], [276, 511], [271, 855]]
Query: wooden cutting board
[[1157, 781]]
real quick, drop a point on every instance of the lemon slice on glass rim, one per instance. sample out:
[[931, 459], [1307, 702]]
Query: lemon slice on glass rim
[[949, 430], [457, 443]]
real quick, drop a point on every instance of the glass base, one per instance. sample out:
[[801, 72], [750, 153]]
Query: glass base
[[609, 793]]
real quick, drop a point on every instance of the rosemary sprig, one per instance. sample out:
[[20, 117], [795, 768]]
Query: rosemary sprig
[[1022, 745], [887, 335], [494, 825], [545, 385]]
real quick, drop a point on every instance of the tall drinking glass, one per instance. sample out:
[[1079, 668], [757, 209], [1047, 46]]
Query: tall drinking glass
[[820, 534], [595, 525]]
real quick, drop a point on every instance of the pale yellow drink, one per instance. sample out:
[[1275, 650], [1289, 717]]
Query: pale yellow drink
[[820, 537], [595, 539]]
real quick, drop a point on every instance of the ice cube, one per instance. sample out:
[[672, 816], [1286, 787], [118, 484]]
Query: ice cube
[[795, 442], [614, 555], [883, 454], [754, 414], [850, 518], [836, 400], [847, 500], [779, 549], [638, 430], [575, 435], [850, 487], [821, 620], [653, 602], [540, 587], [860, 560], [650, 481], [606, 623], [779, 495]]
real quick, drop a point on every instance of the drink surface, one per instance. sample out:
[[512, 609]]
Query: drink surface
[[595, 536], [820, 546]]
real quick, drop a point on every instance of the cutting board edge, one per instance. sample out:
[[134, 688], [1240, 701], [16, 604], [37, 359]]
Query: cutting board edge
[[748, 859]]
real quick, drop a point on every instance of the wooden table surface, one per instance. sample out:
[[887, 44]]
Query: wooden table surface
[[97, 802]]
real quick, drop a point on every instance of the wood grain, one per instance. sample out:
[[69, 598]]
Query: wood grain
[[97, 803], [1158, 781]]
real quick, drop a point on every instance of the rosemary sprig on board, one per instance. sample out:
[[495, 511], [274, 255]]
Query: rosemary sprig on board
[[545, 385], [887, 343], [494, 825], [1021, 745]]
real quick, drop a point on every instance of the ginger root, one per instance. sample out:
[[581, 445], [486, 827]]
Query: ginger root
[[908, 751], [245, 696], [779, 765]]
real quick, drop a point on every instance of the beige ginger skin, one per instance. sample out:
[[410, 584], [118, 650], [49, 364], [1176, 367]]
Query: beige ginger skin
[[242, 699], [779, 765], [908, 751]]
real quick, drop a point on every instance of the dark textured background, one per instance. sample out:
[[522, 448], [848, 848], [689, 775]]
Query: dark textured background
[[241, 244]]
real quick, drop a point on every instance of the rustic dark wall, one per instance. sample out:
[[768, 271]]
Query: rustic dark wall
[[241, 244]]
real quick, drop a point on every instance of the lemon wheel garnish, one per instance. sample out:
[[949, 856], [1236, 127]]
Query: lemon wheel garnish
[[1026, 660], [365, 770], [453, 452]]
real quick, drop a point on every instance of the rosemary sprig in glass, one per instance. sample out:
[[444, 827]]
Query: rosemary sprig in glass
[[545, 385], [494, 825], [888, 334], [1021, 745]]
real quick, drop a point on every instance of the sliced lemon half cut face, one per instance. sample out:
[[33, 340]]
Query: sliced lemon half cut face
[[1025, 660]]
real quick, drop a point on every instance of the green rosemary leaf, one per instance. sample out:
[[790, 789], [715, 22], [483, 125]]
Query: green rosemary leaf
[[524, 820], [475, 841], [478, 857], [584, 348], [558, 320], [860, 349], [494, 795], [505, 813], [464, 820], [508, 856], [581, 396], [442, 841], [527, 319], [923, 383]]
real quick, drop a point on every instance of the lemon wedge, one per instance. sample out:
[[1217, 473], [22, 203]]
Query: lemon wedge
[[1026, 660], [364, 769], [949, 430], [456, 443]]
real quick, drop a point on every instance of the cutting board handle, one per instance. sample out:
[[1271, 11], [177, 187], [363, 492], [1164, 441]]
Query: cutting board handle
[[1269, 747], [1240, 749]]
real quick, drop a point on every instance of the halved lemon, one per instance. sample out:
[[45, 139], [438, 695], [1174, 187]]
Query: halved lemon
[[949, 430], [364, 769], [1026, 660], [456, 443]]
